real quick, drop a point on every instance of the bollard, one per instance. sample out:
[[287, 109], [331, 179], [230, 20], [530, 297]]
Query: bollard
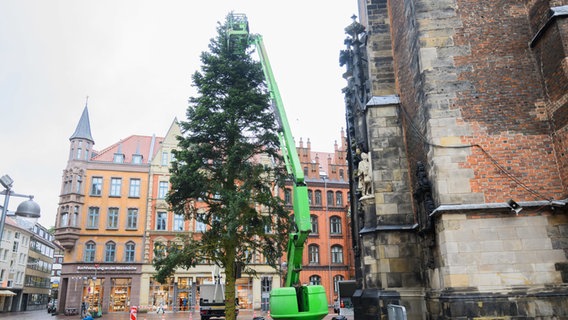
[[133, 313]]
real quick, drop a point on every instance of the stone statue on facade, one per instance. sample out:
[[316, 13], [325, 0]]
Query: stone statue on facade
[[364, 175]]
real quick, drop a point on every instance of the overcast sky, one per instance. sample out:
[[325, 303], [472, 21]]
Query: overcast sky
[[134, 60]]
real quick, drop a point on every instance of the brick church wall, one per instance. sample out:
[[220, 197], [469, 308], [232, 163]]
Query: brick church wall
[[476, 102]]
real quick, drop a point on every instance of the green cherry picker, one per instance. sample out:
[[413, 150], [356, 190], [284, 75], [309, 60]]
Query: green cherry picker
[[293, 300]]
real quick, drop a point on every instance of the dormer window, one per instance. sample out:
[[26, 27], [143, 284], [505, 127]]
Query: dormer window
[[137, 159], [118, 158]]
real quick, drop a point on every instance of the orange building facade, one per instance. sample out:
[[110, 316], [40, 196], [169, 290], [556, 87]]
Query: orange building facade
[[101, 222], [113, 213]]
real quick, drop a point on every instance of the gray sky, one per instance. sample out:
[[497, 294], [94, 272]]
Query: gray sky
[[134, 60]]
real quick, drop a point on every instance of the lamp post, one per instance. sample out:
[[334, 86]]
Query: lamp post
[[28, 209]]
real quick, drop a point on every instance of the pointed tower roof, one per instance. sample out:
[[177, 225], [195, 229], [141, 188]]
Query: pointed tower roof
[[83, 130]]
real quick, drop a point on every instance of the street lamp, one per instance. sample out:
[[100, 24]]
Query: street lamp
[[28, 210]]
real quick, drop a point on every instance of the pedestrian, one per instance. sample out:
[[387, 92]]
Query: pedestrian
[[161, 307], [83, 309]]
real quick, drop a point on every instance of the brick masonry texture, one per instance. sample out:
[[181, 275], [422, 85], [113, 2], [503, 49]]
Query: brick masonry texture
[[467, 76], [551, 53], [380, 57]]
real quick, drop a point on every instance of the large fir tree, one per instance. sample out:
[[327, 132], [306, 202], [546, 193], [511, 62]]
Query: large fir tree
[[218, 176]]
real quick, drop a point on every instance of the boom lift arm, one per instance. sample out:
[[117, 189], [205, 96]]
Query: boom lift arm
[[293, 301], [301, 203]]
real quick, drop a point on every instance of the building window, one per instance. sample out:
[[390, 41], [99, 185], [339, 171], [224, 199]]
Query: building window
[[335, 225], [75, 217], [199, 224], [93, 218], [132, 218], [112, 219], [64, 221], [305, 171], [110, 251], [66, 187], [179, 220], [341, 174], [336, 279], [79, 151], [161, 218], [268, 228], [118, 158], [315, 280], [97, 186], [336, 254], [115, 184], [90, 252], [287, 196], [339, 198], [310, 197], [329, 198], [318, 198], [313, 253], [159, 250], [134, 189], [314, 221], [162, 189], [129, 251], [137, 159], [165, 158]]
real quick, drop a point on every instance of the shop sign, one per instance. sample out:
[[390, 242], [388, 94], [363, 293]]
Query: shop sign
[[107, 268]]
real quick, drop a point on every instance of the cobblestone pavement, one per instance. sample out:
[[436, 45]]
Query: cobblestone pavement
[[186, 315]]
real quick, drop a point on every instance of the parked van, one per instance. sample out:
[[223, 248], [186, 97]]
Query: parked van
[[344, 302]]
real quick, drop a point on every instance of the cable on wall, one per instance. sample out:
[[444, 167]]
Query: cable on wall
[[536, 194]]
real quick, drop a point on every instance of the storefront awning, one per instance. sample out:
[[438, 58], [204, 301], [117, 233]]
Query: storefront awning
[[6, 293]]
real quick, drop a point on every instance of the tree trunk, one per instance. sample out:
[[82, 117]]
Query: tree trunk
[[230, 292]]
